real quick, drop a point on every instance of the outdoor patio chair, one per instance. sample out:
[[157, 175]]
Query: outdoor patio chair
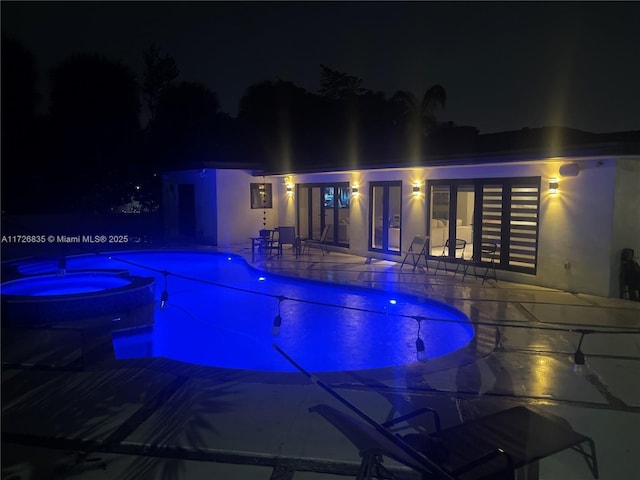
[[287, 236], [320, 242], [417, 249], [485, 258], [494, 447], [460, 246]]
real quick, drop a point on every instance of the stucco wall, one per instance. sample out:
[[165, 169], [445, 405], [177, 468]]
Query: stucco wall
[[582, 228], [626, 215], [575, 226], [237, 221]]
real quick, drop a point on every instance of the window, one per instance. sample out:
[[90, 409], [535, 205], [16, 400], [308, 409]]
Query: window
[[261, 196], [504, 211]]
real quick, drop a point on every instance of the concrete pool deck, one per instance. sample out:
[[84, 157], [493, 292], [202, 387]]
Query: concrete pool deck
[[70, 410]]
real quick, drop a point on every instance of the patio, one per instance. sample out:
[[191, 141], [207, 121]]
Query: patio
[[70, 410]]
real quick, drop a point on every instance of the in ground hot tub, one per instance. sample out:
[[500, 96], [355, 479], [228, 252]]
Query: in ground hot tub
[[79, 298]]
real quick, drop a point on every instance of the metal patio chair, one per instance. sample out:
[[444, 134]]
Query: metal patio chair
[[417, 249], [444, 257], [486, 259]]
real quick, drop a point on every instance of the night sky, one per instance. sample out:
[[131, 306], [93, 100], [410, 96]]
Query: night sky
[[504, 65]]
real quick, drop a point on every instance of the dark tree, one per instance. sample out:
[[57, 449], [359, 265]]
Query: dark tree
[[286, 125], [94, 107], [159, 73], [19, 96], [337, 85], [188, 126], [20, 139], [434, 99]]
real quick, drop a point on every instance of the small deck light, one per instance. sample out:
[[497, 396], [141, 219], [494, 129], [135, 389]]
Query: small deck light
[[578, 356], [164, 298], [277, 321], [421, 353]]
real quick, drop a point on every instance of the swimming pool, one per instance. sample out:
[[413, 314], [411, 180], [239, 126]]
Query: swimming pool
[[219, 311]]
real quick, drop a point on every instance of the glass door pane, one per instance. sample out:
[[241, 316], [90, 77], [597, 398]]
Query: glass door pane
[[465, 206], [440, 198], [395, 207], [344, 219], [378, 218], [328, 207]]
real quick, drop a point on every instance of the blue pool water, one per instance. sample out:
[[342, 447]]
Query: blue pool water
[[220, 312], [72, 284]]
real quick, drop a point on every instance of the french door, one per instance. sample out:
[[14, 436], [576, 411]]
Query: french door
[[385, 216], [324, 205]]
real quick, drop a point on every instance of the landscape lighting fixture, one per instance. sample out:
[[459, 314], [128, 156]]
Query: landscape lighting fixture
[[420, 350], [421, 353], [578, 356], [277, 321], [164, 298]]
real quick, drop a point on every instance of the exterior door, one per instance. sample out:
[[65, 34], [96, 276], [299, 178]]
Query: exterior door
[[385, 210], [324, 205]]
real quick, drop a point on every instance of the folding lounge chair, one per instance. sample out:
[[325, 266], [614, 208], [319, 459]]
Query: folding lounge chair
[[307, 243], [417, 249], [488, 448]]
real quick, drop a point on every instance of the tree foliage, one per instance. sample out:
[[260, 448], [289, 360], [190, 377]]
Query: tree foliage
[[95, 108], [188, 126], [338, 85], [159, 73], [90, 151]]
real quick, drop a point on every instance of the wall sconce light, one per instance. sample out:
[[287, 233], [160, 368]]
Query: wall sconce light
[[553, 185], [289, 189], [355, 191], [416, 189]]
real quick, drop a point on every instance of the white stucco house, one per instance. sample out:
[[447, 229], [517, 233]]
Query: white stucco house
[[559, 217]]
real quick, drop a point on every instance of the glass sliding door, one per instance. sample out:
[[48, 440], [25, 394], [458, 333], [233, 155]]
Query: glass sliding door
[[385, 216], [499, 211]]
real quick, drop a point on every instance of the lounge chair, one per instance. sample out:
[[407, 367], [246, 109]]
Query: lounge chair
[[488, 448], [320, 243], [417, 249]]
